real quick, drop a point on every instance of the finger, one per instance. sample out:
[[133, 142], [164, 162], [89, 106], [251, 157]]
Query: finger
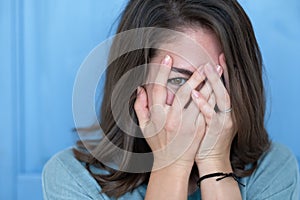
[[206, 90], [205, 108], [193, 108], [141, 108], [212, 100], [221, 94], [159, 90], [200, 123], [192, 111], [182, 96]]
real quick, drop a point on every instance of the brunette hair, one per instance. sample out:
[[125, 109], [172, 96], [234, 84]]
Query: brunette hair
[[229, 22]]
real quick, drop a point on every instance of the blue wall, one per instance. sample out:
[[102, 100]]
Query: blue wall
[[42, 44], [277, 27]]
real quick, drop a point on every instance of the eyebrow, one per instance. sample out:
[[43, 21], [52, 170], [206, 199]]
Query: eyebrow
[[182, 71]]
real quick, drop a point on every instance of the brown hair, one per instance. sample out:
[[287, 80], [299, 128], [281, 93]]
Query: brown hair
[[228, 21]]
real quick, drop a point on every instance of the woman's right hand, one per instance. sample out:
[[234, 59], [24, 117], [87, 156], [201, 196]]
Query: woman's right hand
[[174, 132]]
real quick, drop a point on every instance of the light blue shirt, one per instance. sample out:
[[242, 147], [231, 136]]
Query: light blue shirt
[[276, 178]]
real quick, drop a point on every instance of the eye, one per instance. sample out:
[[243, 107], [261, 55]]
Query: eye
[[177, 81]]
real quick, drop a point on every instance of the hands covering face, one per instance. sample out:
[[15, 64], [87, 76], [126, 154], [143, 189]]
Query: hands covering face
[[186, 131]]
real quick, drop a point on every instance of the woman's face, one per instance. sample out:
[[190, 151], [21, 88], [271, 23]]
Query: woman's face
[[187, 55]]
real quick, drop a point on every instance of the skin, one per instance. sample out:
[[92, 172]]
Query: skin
[[180, 136]]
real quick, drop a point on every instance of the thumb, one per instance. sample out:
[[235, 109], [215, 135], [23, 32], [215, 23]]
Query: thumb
[[140, 107]]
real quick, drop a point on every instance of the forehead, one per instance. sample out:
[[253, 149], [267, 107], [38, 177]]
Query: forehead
[[193, 48]]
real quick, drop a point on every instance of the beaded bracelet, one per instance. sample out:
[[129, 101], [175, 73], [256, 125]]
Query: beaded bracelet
[[221, 175]]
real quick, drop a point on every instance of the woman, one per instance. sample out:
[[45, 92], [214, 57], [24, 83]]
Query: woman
[[205, 134]]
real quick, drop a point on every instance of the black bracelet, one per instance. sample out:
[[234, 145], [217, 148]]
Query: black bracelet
[[223, 175]]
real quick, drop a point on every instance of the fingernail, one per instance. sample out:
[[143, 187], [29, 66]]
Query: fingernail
[[195, 94], [166, 60], [219, 69]]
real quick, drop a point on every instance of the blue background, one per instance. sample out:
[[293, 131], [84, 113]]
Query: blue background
[[43, 43]]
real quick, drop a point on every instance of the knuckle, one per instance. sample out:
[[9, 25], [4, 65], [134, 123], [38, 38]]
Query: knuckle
[[208, 117], [170, 126], [156, 89]]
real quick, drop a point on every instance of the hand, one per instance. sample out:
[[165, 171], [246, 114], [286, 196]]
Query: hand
[[173, 132], [219, 133]]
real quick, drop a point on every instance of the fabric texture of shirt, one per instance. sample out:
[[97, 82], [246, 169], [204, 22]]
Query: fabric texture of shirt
[[276, 178]]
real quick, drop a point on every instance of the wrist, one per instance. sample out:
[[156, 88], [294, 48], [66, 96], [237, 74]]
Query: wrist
[[170, 182], [178, 165], [174, 171], [208, 166]]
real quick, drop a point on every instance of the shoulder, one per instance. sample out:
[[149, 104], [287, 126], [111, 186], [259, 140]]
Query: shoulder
[[276, 177], [280, 150], [64, 177]]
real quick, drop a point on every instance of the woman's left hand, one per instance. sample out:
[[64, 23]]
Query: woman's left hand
[[214, 151]]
